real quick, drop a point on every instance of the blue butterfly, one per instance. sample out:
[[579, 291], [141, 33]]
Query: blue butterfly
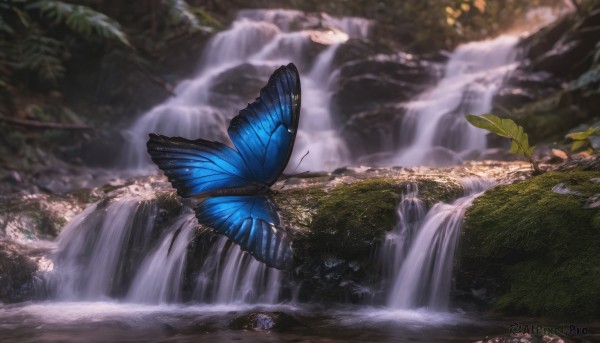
[[234, 183]]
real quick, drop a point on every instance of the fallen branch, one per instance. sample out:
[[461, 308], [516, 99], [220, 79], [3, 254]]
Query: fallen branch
[[44, 125]]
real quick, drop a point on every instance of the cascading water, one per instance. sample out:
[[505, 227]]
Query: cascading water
[[473, 74], [260, 41], [229, 275], [423, 278], [159, 277], [123, 250], [411, 211]]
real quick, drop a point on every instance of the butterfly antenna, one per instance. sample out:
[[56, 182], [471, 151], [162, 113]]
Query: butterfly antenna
[[294, 175], [302, 159]]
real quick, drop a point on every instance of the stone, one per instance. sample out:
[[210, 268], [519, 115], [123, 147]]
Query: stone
[[265, 321], [378, 81]]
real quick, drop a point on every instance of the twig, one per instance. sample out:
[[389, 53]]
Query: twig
[[45, 125]]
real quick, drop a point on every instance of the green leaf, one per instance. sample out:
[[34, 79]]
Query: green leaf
[[578, 145], [582, 139], [584, 134], [504, 128]]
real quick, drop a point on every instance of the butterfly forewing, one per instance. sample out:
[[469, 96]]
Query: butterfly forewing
[[264, 132]]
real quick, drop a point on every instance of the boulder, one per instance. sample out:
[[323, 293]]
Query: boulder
[[17, 272], [524, 244], [234, 88], [382, 79], [375, 130]]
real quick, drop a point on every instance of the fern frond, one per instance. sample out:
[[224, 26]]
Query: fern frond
[[81, 19], [180, 13], [39, 54]]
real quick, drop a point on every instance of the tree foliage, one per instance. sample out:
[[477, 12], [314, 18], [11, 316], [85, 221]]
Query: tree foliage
[[37, 36], [509, 129]]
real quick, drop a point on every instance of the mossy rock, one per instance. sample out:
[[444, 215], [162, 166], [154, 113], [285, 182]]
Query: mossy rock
[[535, 249], [336, 232]]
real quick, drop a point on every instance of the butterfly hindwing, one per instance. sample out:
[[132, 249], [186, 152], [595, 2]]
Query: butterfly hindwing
[[251, 222]]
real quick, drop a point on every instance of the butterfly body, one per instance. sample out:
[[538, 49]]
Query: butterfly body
[[233, 183]]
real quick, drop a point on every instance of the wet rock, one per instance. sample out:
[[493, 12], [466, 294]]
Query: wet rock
[[234, 88], [374, 130], [17, 273], [265, 321], [512, 97], [39, 216], [381, 79], [357, 50]]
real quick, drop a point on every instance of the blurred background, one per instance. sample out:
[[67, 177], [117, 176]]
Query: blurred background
[[82, 83]]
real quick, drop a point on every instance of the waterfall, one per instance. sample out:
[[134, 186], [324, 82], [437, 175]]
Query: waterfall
[[91, 259], [159, 277], [229, 275], [424, 271], [410, 211], [122, 250], [242, 57], [473, 74]]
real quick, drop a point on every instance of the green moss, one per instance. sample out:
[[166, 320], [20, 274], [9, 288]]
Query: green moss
[[351, 217], [334, 232], [537, 248], [296, 206], [346, 221]]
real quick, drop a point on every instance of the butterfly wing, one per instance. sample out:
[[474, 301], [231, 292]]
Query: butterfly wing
[[197, 167], [251, 222], [264, 132]]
